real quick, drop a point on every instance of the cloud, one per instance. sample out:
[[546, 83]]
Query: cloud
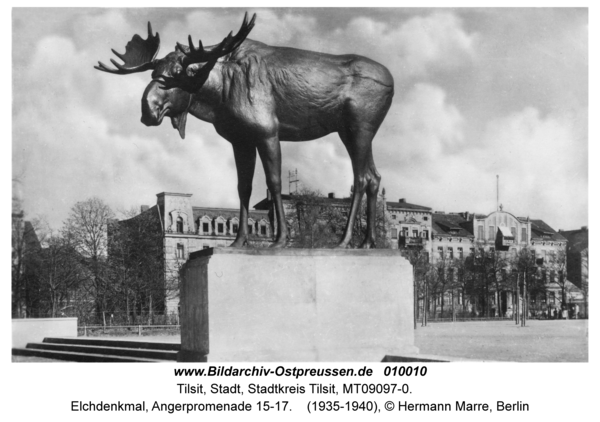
[[542, 169], [471, 102]]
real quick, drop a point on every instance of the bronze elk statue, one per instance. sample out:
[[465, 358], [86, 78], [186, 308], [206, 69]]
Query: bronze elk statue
[[257, 95]]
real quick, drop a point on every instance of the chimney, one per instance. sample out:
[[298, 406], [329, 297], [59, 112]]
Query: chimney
[[331, 195], [144, 208], [402, 200]]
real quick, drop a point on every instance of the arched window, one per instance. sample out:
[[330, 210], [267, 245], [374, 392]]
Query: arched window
[[179, 225]]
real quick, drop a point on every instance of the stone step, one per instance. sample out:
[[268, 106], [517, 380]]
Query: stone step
[[170, 355], [78, 356], [114, 343]]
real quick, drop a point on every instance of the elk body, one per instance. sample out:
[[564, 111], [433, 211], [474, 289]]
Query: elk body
[[258, 95]]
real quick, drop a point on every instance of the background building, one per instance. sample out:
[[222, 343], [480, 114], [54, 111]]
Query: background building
[[577, 263], [494, 250], [187, 228], [470, 262]]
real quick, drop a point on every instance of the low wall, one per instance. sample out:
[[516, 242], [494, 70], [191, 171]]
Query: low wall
[[33, 330], [296, 305]]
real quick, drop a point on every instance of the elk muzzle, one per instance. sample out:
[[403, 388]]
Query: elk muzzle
[[159, 102], [154, 104]]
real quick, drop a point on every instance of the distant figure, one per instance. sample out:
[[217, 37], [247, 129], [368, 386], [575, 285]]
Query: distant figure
[[565, 315], [576, 311]]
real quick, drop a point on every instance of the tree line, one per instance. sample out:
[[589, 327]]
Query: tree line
[[95, 268], [480, 284]]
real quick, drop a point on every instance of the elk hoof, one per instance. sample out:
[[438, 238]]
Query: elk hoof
[[239, 243], [278, 244], [368, 244]]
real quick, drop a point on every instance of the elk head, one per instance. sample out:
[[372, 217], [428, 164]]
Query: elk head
[[175, 81]]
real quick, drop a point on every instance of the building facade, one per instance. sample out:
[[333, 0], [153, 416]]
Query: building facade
[[447, 240], [410, 225], [499, 241], [187, 228]]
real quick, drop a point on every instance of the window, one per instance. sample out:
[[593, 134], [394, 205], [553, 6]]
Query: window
[[220, 228], [404, 231], [480, 232], [180, 251], [441, 252], [426, 234], [394, 233], [552, 298], [524, 234], [393, 216], [450, 253], [492, 233], [460, 253], [249, 228], [179, 225], [513, 230], [425, 218], [415, 233], [205, 228], [263, 230], [235, 228]]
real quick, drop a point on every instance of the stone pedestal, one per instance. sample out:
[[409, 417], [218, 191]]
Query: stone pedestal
[[303, 305]]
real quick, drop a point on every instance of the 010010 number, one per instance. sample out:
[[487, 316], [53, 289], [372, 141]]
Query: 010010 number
[[405, 371]]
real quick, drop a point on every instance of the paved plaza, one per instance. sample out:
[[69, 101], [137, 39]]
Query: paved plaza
[[539, 341]]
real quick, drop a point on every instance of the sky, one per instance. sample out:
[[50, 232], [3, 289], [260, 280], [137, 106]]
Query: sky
[[479, 93]]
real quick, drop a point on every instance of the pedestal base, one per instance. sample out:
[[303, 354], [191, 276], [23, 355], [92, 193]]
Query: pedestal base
[[242, 305]]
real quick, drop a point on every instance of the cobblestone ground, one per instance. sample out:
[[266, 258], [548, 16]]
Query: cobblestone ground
[[539, 341]]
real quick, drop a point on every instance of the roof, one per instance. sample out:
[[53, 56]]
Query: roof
[[578, 239], [540, 230], [265, 203], [226, 213], [407, 206], [451, 225]]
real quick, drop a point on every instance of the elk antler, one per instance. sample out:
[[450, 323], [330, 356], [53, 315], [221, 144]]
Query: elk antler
[[229, 43], [139, 55]]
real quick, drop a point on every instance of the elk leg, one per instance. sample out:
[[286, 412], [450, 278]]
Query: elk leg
[[270, 155], [373, 179], [358, 144], [245, 162]]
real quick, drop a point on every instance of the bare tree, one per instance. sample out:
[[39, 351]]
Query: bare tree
[[27, 240], [316, 222], [319, 222], [86, 229], [584, 278], [419, 259], [141, 284], [60, 275], [558, 275]]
